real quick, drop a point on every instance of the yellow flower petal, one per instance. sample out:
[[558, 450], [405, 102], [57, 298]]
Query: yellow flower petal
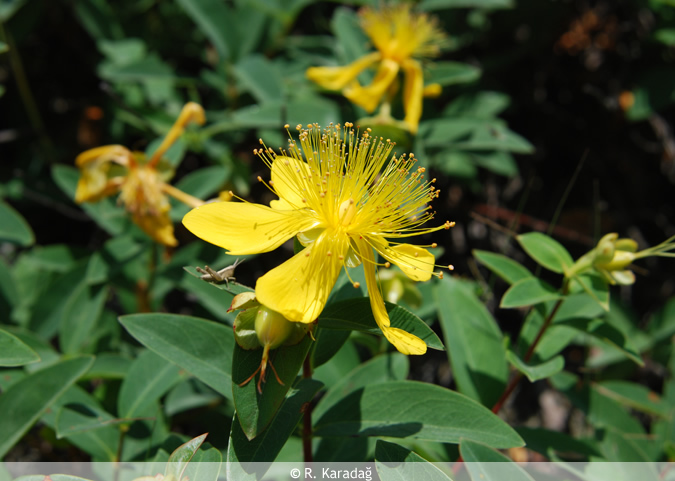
[[432, 90], [299, 287], [102, 155], [157, 226], [416, 262], [191, 112], [244, 228], [405, 342], [288, 177], [369, 97], [336, 78], [95, 183], [413, 91], [623, 278]]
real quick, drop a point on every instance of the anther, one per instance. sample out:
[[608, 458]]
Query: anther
[[451, 267], [387, 265], [286, 126], [329, 253], [259, 179], [434, 245], [357, 285]]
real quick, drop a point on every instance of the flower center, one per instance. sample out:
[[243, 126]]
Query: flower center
[[347, 212]]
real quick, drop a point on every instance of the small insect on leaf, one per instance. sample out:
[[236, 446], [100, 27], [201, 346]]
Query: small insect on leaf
[[226, 274]]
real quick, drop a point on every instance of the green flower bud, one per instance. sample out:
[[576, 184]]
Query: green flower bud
[[272, 328]]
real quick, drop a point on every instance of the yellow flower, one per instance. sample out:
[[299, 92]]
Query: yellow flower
[[399, 36], [612, 258], [344, 200], [141, 182]]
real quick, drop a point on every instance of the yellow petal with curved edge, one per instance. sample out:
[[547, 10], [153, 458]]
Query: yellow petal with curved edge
[[244, 228], [432, 91], [95, 183], [191, 112], [299, 287], [370, 96], [416, 262], [100, 155], [413, 91], [289, 177], [336, 78], [159, 227], [623, 278], [405, 342]]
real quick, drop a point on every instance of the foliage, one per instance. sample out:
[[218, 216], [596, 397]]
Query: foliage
[[115, 347]]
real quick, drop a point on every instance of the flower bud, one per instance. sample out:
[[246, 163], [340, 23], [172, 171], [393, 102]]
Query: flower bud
[[272, 328]]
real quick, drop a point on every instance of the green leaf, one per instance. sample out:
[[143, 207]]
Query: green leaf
[[475, 347], [328, 343], [456, 163], [528, 292], [595, 286], [539, 371], [346, 359], [80, 315], [415, 410], [180, 458], [496, 137], [451, 73], [106, 262], [24, 402], [635, 396], [102, 442], [483, 104], [266, 446], [150, 68], [13, 352], [545, 441], [148, 379], [4, 47], [260, 76], [9, 296], [357, 315], [9, 8], [546, 251], [383, 368], [254, 410], [187, 395], [396, 463], [608, 334], [441, 4], [205, 465], [499, 162], [505, 267], [486, 464], [203, 348], [210, 16], [76, 418], [13, 227], [351, 41]]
